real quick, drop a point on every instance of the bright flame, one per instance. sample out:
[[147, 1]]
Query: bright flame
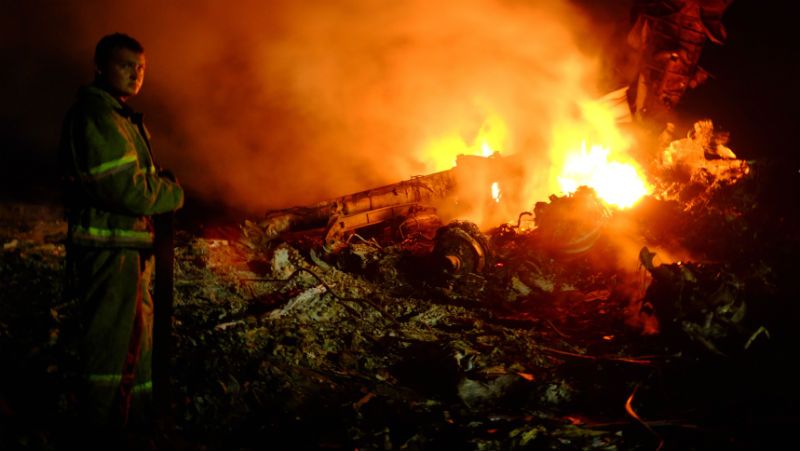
[[440, 154], [496, 193], [615, 176], [616, 183]]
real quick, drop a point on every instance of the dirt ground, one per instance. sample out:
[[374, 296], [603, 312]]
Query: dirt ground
[[280, 346]]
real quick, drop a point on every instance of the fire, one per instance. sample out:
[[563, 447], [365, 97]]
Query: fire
[[617, 183], [440, 154], [496, 193], [615, 176]]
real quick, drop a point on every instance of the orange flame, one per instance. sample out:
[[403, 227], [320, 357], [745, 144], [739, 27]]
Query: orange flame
[[617, 183], [440, 154], [616, 177]]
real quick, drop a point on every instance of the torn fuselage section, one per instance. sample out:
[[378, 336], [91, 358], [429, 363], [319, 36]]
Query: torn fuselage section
[[418, 206]]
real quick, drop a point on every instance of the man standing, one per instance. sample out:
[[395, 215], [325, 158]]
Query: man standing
[[112, 189]]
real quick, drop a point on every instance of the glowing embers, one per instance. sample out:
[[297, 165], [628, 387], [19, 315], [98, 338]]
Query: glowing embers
[[616, 183]]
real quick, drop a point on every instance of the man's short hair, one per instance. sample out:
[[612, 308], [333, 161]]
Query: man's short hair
[[107, 45]]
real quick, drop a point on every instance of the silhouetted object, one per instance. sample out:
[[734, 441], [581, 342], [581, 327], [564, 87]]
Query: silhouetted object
[[164, 251], [669, 36]]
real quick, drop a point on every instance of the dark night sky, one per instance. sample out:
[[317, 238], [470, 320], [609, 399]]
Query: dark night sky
[[755, 89], [46, 47]]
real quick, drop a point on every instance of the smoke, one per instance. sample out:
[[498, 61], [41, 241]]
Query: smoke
[[272, 104]]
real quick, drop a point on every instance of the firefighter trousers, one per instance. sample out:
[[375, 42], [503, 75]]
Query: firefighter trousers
[[113, 289]]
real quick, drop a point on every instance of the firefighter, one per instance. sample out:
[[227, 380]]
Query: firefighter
[[112, 188]]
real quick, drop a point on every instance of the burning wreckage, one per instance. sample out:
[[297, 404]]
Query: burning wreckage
[[414, 330], [447, 334], [567, 247], [379, 320]]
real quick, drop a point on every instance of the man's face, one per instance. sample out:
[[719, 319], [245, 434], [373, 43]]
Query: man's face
[[124, 72]]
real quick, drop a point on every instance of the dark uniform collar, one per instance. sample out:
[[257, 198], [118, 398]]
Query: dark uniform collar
[[126, 111], [118, 105]]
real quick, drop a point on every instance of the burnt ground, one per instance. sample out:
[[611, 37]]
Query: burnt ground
[[280, 346]]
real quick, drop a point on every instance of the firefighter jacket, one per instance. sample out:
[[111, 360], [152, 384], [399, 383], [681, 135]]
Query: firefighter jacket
[[112, 185]]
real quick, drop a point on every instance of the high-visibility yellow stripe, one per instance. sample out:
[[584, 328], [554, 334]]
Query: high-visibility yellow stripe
[[109, 165], [116, 379], [107, 233], [143, 387], [110, 379]]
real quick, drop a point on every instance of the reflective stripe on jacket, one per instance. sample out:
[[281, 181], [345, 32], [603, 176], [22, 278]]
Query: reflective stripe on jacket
[[113, 185]]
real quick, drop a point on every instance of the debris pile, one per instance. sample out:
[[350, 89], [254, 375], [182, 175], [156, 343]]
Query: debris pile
[[432, 336]]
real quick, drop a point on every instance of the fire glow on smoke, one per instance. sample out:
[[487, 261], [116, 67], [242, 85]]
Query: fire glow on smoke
[[440, 154]]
